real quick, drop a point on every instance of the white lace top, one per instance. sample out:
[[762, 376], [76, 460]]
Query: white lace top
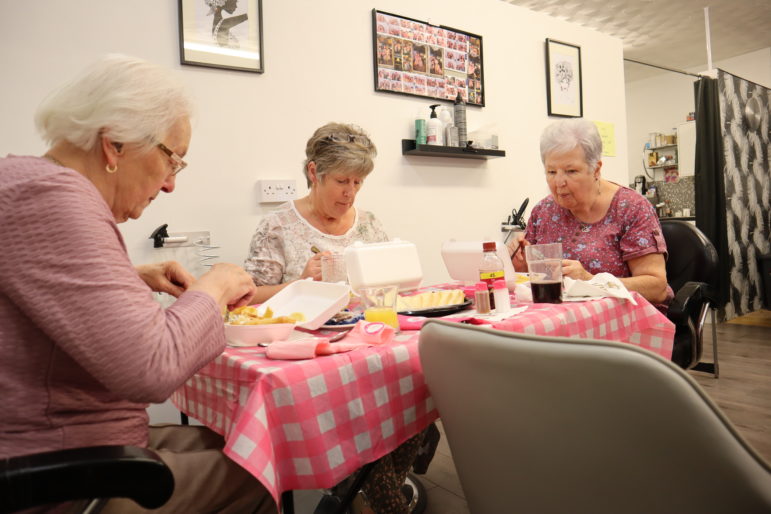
[[281, 246]]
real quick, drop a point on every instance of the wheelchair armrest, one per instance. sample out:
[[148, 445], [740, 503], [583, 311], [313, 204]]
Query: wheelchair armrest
[[85, 473], [688, 298]]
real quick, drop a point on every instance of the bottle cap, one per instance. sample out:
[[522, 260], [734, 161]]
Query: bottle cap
[[488, 246], [499, 284], [480, 286]]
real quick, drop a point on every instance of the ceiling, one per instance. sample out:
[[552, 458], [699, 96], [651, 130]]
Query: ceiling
[[669, 33]]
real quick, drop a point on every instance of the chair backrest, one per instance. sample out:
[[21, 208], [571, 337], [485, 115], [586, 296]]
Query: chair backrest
[[557, 425], [692, 257]]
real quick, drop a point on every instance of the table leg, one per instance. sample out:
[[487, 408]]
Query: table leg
[[287, 502]]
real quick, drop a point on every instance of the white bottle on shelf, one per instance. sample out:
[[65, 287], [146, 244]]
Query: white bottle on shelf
[[434, 129]]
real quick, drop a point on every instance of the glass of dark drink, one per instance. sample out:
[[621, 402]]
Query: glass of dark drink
[[544, 264]]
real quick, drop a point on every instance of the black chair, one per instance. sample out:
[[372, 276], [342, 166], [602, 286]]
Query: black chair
[[692, 267], [96, 473]]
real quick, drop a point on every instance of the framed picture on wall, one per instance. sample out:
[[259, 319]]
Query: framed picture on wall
[[416, 58], [221, 34], [563, 79]]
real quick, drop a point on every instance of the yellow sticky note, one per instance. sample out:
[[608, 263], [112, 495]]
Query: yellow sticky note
[[608, 135]]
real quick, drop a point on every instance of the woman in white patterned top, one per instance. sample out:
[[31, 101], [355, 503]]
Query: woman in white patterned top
[[338, 159]]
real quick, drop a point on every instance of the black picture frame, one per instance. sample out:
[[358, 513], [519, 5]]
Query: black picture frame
[[412, 57], [224, 34], [564, 89]]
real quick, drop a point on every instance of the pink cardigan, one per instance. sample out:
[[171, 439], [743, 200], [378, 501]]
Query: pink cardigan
[[83, 345]]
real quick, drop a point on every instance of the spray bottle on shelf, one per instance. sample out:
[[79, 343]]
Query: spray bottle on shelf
[[490, 269], [434, 132], [460, 120]]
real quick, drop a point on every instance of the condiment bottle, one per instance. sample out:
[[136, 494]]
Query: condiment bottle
[[481, 298], [501, 297], [490, 269]]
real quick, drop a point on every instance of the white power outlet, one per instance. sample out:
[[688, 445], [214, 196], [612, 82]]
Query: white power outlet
[[276, 190]]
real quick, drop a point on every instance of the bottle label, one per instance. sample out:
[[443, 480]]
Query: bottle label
[[490, 275]]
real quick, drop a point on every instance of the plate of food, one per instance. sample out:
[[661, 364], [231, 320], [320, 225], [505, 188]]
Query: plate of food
[[343, 320], [433, 303], [433, 312], [248, 326]]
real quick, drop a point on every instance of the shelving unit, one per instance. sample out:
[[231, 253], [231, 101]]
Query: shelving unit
[[409, 147], [663, 149]]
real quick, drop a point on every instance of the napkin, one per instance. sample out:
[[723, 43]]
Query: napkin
[[369, 334], [600, 286]]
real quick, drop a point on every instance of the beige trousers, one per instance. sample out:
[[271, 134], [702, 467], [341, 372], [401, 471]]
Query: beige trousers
[[206, 481]]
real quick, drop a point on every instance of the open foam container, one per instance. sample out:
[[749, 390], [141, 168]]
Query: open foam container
[[318, 301]]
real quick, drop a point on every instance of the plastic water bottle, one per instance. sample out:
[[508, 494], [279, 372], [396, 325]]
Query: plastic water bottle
[[490, 269]]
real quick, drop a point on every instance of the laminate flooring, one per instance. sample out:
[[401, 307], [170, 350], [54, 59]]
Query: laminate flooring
[[743, 392]]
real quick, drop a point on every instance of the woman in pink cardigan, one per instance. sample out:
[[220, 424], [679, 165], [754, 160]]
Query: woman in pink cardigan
[[83, 346]]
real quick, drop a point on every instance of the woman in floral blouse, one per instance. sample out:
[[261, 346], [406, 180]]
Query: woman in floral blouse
[[339, 157], [603, 227]]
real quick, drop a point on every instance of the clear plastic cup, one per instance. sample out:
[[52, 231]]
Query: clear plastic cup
[[333, 268], [544, 264], [380, 304]]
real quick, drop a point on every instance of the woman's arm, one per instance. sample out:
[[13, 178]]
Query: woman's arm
[[649, 277]]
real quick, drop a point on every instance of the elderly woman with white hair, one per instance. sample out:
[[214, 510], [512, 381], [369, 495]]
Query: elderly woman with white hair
[[84, 347], [290, 241], [603, 226]]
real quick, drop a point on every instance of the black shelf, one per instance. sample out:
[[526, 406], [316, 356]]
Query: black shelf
[[662, 146], [657, 167], [410, 148]]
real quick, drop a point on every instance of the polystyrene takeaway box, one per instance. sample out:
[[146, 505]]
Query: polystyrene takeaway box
[[318, 301], [380, 264]]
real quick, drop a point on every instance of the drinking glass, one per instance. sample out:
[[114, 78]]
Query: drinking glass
[[380, 304], [333, 268], [544, 264]]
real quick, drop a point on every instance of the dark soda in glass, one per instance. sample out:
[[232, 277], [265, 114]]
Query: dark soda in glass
[[549, 291]]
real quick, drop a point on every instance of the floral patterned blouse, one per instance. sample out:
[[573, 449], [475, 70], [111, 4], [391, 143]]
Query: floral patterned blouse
[[281, 246], [630, 229]]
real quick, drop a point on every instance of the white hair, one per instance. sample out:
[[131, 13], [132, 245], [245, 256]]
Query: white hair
[[565, 135], [131, 100]]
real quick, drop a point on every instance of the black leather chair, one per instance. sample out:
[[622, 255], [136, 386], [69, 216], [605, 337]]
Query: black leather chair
[[96, 473], [692, 266]]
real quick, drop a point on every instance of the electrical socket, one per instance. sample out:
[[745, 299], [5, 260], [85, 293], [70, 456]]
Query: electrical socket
[[276, 190]]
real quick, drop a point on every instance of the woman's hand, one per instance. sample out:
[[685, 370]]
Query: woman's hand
[[313, 267], [516, 249], [575, 270], [228, 284], [166, 277]]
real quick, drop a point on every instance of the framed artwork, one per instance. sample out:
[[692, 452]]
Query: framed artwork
[[563, 79], [413, 57], [221, 34]]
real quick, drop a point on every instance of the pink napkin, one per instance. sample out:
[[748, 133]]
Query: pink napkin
[[373, 332], [367, 334]]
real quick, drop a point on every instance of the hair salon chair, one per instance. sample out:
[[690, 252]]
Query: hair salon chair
[[555, 425], [692, 266], [95, 473]]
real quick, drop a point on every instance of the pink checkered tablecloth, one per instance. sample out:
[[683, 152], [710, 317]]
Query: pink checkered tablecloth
[[308, 424]]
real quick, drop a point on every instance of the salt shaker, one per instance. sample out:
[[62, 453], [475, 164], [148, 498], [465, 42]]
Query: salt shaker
[[501, 296]]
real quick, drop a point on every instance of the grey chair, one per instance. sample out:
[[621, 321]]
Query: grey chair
[[557, 425]]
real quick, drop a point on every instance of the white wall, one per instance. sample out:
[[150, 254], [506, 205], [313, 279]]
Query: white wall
[[661, 102], [318, 62]]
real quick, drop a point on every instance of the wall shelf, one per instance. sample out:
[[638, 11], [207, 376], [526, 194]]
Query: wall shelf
[[662, 146], [410, 148], [657, 167]]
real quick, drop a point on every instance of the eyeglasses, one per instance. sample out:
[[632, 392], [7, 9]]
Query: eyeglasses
[[349, 138], [177, 162]]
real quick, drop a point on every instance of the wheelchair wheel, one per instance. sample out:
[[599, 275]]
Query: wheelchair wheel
[[417, 495]]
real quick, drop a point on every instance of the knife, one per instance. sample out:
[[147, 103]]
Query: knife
[[518, 217]]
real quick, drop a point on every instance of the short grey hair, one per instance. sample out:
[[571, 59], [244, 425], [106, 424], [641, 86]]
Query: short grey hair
[[340, 147], [565, 135], [128, 99]]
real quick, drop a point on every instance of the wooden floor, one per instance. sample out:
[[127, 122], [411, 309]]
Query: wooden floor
[[743, 392]]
